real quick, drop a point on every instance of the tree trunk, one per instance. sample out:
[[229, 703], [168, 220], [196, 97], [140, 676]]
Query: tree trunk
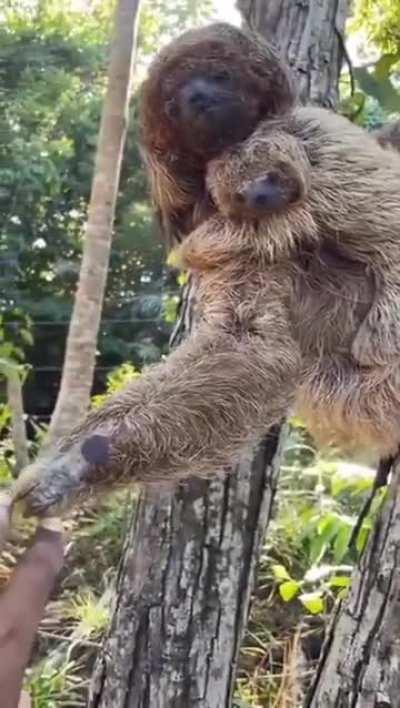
[[15, 401], [188, 567], [77, 377], [183, 590], [18, 429], [310, 36], [360, 666]]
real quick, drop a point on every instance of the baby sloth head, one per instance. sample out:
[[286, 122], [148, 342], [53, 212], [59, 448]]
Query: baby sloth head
[[265, 175]]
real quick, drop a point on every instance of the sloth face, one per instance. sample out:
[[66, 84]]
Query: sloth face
[[214, 112]]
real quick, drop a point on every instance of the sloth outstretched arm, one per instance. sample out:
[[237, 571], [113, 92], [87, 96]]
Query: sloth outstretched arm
[[191, 415]]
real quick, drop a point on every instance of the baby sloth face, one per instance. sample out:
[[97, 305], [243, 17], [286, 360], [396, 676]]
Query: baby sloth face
[[264, 175]]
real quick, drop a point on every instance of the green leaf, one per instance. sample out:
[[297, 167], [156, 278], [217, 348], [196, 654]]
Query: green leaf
[[182, 279], [341, 545], [362, 537], [318, 546], [296, 422], [329, 526], [288, 590], [343, 594], [280, 572], [26, 336], [313, 602], [339, 581], [338, 484]]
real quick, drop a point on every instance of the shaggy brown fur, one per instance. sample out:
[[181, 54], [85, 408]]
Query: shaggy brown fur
[[248, 82], [297, 308]]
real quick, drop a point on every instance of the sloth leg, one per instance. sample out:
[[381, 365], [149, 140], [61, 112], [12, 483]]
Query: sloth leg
[[377, 342], [191, 415]]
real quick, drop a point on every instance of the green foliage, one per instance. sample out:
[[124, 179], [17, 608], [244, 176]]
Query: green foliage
[[14, 336], [304, 570], [170, 308], [91, 614], [116, 380], [5, 469], [289, 589], [53, 685], [380, 20], [377, 21], [53, 60], [160, 20], [378, 84], [318, 509]]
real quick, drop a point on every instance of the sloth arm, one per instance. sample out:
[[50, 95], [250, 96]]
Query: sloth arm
[[190, 415]]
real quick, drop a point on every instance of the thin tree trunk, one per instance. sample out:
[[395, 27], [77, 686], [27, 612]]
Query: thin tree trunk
[[16, 404], [360, 666], [77, 377], [18, 429], [188, 567]]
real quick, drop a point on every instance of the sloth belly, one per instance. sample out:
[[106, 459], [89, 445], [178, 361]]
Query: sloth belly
[[354, 409], [332, 295]]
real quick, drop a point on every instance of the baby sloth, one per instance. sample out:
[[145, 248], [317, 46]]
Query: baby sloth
[[297, 305]]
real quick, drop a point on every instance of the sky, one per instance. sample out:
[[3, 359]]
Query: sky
[[226, 10]]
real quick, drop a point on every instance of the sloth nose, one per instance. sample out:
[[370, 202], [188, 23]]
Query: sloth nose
[[264, 194], [201, 95], [198, 99]]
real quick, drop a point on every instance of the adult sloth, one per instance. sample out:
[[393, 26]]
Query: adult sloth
[[205, 91]]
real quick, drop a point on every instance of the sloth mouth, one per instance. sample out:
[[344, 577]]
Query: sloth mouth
[[222, 124]]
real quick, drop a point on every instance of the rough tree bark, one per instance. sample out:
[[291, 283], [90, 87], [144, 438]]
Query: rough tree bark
[[310, 36], [77, 376], [360, 666], [188, 566]]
